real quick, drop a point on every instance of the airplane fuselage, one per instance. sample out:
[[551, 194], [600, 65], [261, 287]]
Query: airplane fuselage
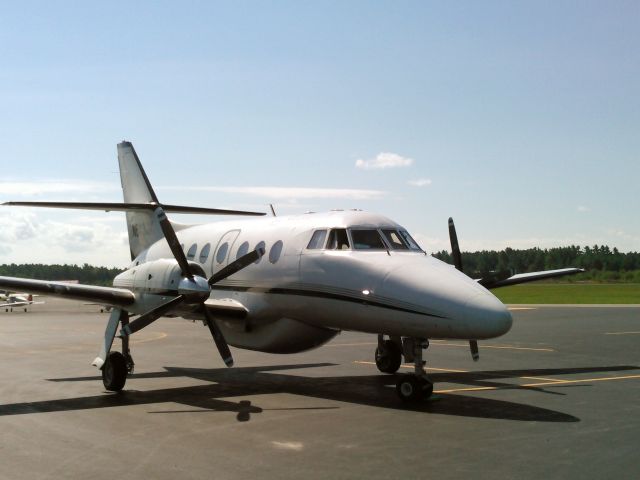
[[303, 292]]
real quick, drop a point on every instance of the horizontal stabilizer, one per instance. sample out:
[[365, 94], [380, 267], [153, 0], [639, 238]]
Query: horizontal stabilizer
[[130, 207], [103, 295], [529, 277]]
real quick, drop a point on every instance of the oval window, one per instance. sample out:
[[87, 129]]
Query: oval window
[[222, 252], [204, 254], [259, 246], [276, 250], [191, 254], [243, 250]]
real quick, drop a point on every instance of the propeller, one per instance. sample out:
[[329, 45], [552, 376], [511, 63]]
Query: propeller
[[192, 288], [457, 262]]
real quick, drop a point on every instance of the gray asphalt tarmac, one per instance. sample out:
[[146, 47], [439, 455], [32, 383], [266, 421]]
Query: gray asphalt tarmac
[[557, 397]]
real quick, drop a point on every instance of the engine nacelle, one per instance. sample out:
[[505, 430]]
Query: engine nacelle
[[159, 277]]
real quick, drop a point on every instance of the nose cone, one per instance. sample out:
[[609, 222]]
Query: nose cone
[[464, 309], [487, 317]]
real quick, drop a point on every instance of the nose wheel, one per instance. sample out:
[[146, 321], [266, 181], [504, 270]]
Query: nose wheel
[[388, 355], [411, 388], [416, 386]]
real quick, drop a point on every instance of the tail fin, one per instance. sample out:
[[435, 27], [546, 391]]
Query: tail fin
[[142, 226]]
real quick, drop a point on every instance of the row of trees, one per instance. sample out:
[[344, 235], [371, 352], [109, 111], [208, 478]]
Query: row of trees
[[600, 262], [85, 274]]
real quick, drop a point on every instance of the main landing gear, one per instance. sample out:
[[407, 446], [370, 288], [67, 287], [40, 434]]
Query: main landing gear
[[411, 387], [117, 365]]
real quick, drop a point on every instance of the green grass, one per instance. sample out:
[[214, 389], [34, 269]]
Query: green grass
[[576, 293]]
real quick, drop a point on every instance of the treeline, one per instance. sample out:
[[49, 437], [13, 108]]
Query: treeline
[[85, 274], [600, 262]]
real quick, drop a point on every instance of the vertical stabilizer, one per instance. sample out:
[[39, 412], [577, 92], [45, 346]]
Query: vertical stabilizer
[[142, 226]]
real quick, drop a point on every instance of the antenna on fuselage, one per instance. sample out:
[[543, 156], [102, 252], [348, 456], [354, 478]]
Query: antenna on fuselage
[[272, 210]]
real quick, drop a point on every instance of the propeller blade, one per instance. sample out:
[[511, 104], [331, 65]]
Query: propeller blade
[[455, 248], [150, 317], [221, 343], [475, 353], [174, 243], [236, 266]]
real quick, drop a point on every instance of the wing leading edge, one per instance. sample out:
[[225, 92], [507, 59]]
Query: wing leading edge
[[528, 277], [104, 295]]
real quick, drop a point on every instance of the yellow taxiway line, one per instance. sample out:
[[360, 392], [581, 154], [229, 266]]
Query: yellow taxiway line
[[446, 344], [481, 345], [552, 383], [404, 365], [622, 333]]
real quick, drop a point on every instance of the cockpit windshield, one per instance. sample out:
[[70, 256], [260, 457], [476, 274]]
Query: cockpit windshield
[[367, 240], [338, 240], [394, 239], [362, 239], [410, 241]]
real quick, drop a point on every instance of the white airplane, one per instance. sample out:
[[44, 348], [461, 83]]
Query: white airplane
[[15, 300], [284, 284]]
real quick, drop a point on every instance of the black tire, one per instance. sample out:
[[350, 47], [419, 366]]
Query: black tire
[[412, 389], [390, 359], [427, 388], [114, 372]]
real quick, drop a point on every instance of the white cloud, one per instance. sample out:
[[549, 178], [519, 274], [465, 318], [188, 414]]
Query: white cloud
[[384, 160], [289, 192], [420, 182], [27, 237], [583, 209], [43, 187]]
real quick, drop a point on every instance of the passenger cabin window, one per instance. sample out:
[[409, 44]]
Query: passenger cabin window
[[222, 252], [367, 240], [260, 246], [276, 250], [191, 254], [395, 240], [338, 239], [317, 240], [204, 253], [410, 241], [243, 249]]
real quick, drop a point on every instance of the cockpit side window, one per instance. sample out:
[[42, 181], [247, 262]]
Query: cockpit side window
[[407, 238], [317, 240], [395, 240], [367, 240], [338, 239]]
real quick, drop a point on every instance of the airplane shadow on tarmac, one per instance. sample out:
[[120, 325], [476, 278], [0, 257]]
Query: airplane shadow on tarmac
[[370, 390]]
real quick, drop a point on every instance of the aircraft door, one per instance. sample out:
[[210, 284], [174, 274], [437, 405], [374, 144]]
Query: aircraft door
[[220, 257]]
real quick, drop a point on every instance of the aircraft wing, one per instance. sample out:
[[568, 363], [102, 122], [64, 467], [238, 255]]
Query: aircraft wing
[[104, 295], [528, 277], [14, 304]]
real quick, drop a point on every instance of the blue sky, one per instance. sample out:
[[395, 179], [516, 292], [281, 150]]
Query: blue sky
[[519, 119]]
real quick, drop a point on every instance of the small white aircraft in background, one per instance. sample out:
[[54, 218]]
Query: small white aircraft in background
[[284, 284], [16, 300]]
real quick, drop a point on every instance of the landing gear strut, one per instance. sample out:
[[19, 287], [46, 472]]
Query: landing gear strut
[[388, 355], [115, 366], [415, 386]]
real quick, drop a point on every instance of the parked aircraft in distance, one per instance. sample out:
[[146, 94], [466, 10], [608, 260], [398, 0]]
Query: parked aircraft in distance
[[284, 284], [16, 300]]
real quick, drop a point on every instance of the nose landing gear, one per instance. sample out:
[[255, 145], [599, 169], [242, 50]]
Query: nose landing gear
[[412, 387], [388, 355]]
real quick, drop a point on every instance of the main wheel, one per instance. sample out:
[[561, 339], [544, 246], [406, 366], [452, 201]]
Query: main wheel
[[390, 358], [114, 372], [411, 388]]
